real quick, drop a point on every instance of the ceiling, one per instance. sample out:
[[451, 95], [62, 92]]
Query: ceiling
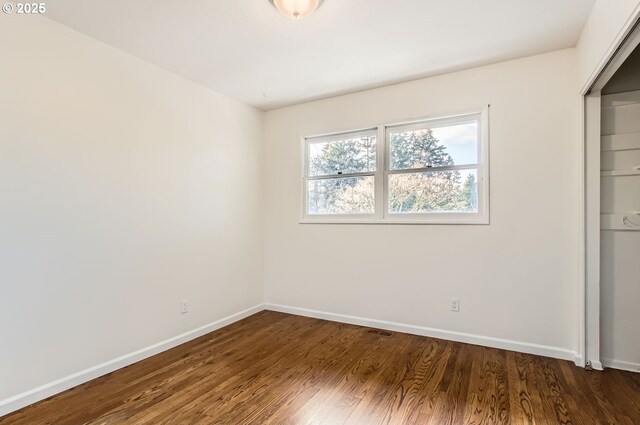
[[245, 49]]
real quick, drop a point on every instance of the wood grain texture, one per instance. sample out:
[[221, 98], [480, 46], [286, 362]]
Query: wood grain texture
[[275, 368]]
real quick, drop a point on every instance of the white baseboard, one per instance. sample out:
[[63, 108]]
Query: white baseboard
[[622, 365], [29, 397], [505, 344]]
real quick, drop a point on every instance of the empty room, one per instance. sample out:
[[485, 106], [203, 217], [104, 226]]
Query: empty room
[[320, 212]]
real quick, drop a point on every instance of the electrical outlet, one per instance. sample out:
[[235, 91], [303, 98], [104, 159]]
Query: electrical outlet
[[184, 306], [455, 304]]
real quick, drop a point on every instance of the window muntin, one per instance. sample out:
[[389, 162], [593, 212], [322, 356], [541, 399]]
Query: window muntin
[[430, 171]]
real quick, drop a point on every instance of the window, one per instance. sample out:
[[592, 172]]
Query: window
[[429, 171], [341, 174]]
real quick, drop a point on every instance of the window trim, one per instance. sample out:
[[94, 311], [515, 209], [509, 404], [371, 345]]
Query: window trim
[[382, 172]]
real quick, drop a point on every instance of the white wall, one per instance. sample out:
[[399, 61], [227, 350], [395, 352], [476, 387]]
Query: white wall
[[607, 24], [124, 189], [518, 278]]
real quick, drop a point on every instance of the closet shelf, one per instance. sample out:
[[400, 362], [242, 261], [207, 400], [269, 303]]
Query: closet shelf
[[620, 142], [619, 221], [619, 173]]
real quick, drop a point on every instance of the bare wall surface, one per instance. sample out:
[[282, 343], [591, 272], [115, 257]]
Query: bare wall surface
[[124, 190], [518, 278]]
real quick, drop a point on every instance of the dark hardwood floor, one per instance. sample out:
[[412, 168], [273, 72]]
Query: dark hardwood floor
[[273, 368]]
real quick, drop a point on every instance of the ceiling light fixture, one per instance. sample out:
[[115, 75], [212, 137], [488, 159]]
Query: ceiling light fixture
[[296, 9]]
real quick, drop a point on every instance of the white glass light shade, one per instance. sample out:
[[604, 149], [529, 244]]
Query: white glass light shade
[[296, 9]]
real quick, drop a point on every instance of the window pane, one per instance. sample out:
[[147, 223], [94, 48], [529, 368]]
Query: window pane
[[343, 195], [435, 191], [433, 147], [342, 156]]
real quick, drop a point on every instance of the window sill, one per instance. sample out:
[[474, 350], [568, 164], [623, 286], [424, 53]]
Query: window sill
[[412, 221]]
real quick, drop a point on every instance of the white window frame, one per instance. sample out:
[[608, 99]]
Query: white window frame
[[382, 172]]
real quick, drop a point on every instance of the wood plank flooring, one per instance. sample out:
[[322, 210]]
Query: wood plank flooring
[[274, 368]]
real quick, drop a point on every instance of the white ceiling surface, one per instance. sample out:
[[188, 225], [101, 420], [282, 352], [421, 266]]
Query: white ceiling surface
[[245, 49]]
